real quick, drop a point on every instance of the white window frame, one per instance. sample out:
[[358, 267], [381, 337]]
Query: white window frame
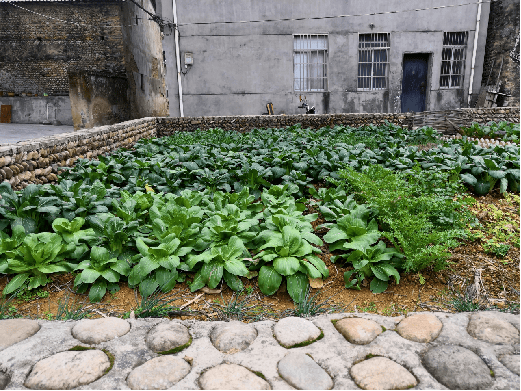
[[371, 77], [302, 81], [450, 76]]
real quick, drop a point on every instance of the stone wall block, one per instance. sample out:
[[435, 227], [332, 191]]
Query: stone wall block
[[15, 170]]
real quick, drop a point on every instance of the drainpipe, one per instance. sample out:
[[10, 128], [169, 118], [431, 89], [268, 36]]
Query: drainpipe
[[178, 61], [474, 50]]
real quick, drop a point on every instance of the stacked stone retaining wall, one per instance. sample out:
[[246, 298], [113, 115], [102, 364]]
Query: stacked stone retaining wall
[[38, 161], [167, 126]]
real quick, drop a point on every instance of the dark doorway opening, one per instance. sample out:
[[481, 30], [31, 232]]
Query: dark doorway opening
[[414, 81]]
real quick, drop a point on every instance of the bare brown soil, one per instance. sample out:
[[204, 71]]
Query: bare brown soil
[[484, 278]]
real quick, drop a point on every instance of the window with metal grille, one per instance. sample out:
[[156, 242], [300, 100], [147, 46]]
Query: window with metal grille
[[453, 59], [373, 61], [310, 62]]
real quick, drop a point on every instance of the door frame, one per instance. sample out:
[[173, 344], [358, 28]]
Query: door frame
[[429, 76]]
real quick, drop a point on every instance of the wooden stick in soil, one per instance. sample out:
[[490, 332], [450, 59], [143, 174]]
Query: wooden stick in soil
[[196, 298]]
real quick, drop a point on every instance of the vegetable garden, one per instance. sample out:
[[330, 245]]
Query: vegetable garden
[[277, 209]]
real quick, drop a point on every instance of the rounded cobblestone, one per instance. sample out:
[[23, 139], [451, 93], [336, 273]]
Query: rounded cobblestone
[[94, 331], [457, 368], [232, 337], [303, 373], [420, 328], [16, 330], [167, 336], [67, 370], [381, 373], [489, 328], [159, 373], [232, 377], [293, 331], [358, 331]]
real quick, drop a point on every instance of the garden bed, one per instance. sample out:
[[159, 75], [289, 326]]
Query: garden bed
[[423, 174]]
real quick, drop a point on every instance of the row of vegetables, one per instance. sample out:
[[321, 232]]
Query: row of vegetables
[[227, 161], [502, 130], [223, 205], [151, 240]]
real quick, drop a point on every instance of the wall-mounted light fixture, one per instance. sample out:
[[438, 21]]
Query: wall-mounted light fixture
[[371, 26]]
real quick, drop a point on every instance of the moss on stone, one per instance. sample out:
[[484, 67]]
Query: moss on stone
[[259, 374], [178, 349], [79, 348], [111, 360], [305, 343]]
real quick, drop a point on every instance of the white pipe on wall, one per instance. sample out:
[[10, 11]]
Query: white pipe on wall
[[474, 50], [178, 61]]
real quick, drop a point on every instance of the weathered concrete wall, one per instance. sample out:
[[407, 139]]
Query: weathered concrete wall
[[34, 110], [503, 30], [238, 68], [143, 51], [97, 100]]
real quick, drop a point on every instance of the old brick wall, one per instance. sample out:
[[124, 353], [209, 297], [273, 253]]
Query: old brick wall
[[37, 52], [502, 32]]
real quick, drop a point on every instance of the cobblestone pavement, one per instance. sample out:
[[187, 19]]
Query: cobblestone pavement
[[13, 133], [337, 351]]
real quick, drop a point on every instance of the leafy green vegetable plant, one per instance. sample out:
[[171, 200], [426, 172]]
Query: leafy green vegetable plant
[[291, 256], [102, 271], [410, 215], [376, 262], [27, 208], [220, 262], [112, 231], [38, 255], [158, 265]]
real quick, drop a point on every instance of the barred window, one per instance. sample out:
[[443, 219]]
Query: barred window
[[453, 59], [373, 61], [310, 62]]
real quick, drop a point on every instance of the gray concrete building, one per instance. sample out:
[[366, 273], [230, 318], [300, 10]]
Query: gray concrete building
[[341, 56]]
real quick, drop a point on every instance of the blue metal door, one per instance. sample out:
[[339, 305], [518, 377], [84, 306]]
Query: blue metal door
[[414, 82]]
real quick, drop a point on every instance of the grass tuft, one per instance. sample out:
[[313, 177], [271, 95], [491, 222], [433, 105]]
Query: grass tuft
[[7, 310], [157, 305], [309, 306], [70, 311], [238, 307], [259, 374]]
